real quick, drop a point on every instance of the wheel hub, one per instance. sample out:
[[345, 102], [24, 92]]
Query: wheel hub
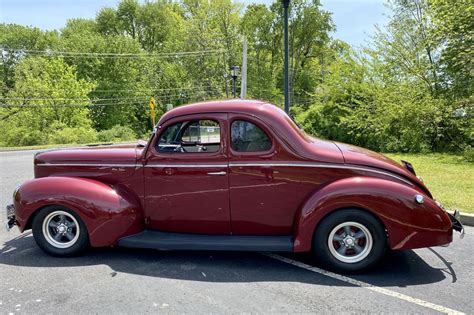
[[349, 241], [62, 228]]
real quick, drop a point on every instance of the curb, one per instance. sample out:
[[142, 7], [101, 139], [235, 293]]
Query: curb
[[61, 147], [465, 218]]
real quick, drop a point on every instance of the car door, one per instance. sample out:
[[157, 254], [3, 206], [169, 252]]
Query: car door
[[186, 176], [265, 192]]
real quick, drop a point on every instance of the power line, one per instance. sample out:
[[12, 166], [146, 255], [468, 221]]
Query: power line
[[68, 99], [138, 90], [160, 98], [54, 53], [143, 97]]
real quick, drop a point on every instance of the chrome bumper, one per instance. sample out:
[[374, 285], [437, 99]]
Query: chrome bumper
[[10, 217], [455, 220]]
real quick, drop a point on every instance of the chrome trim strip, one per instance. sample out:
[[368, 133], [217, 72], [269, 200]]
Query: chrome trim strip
[[322, 165], [91, 165], [185, 165]]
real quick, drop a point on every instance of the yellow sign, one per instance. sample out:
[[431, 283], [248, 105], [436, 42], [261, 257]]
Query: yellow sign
[[152, 104], [152, 110]]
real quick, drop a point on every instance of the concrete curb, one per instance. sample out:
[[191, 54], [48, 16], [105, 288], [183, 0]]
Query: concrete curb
[[466, 218], [59, 146]]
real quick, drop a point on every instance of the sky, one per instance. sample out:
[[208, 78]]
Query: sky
[[354, 19]]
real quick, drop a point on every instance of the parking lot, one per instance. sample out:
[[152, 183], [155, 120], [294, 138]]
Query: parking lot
[[115, 280]]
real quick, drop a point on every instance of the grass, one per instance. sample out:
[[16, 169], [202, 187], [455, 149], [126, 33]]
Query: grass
[[449, 178]]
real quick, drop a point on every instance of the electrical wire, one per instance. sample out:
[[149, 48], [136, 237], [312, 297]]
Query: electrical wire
[[68, 99], [54, 53]]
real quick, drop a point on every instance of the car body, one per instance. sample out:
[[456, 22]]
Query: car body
[[231, 175]]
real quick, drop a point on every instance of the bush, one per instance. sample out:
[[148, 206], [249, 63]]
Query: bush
[[468, 154], [21, 136], [116, 134], [73, 135]]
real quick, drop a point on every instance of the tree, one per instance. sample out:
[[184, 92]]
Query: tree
[[16, 37], [38, 119], [310, 27], [454, 31]]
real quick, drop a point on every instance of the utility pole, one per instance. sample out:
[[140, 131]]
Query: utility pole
[[243, 78], [286, 4]]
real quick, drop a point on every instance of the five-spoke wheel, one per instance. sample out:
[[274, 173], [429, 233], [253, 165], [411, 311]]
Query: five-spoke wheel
[[59, 231], [349, 240]]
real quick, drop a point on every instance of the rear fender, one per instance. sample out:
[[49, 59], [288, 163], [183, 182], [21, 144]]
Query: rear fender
[[408, 223], [108, 212]]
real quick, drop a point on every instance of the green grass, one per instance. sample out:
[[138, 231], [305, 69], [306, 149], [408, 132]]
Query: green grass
[[449, 177]]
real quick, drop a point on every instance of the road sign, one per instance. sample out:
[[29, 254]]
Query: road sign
[[153, 110], [152, 104]]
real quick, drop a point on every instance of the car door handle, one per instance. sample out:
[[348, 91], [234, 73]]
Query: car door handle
[[217, 173]]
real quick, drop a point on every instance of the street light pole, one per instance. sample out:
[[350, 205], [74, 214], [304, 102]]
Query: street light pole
[[234, 73], [286, 4]]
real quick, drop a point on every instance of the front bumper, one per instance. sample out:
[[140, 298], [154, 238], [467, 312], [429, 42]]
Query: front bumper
[[11, 220], [456, 222]]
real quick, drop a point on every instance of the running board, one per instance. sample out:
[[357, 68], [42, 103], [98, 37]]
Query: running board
[[181, 241]]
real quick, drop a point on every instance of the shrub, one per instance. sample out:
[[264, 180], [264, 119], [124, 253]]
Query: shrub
[[116, 134], [468, 154], [73, 135]]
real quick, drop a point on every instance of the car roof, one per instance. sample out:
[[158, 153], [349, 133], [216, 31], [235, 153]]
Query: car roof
[[250, 107]]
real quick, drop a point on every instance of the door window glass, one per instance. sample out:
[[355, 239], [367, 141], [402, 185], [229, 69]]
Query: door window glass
[[191, 136], [247, 137]]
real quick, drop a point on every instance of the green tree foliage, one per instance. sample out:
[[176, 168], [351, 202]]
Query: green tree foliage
[[399, 94], [309, 41], [454, 30], [46, 120], [410, 90]]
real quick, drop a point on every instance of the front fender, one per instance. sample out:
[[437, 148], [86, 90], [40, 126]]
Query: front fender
[[108, 212], [408, 223]]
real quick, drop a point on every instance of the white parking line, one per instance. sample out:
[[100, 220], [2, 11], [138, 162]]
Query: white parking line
[[365, 285]]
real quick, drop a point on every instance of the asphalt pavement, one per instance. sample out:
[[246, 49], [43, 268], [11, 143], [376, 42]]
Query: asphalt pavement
[[115, 280]]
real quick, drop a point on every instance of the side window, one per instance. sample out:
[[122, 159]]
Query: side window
[[247, 137], [191, 136]]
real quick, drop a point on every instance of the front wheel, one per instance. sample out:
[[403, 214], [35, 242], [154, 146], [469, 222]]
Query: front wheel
[[59, 231], [349, 240]]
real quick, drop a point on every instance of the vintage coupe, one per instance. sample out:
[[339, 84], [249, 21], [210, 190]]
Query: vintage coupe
[[230, 175]]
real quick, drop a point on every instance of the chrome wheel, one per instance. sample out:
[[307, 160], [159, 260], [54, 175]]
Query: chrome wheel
[[350, 242], [61, 229]]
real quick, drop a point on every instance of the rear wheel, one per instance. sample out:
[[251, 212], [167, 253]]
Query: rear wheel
[[59, 231], [349, 240]]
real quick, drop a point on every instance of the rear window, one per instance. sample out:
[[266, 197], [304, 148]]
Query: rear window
[[248, 137]]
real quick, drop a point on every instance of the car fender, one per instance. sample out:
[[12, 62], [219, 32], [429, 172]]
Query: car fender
[[108, 212], [409, 224]]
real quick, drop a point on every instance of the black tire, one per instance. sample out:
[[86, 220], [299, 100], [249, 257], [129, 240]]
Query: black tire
[[369, 256], [72, 248]]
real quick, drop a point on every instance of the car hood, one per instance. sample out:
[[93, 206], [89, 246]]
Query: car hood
[[118, 154], [360, 156]]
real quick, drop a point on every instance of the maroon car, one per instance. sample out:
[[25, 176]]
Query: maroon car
[[231, 175]]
